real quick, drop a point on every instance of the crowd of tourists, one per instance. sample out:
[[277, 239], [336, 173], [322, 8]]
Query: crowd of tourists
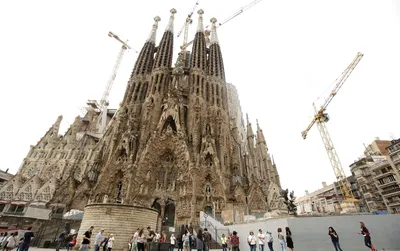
[[16, 240], [188, 239]]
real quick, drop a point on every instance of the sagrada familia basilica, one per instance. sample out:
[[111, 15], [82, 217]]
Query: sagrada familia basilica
[[178, 143]]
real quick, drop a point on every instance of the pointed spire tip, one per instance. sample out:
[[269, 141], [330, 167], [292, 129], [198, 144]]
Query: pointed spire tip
[[170, 26], [214, 37], [152, 36]]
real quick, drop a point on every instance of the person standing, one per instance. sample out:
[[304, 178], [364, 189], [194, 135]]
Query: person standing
[[28, 236], [335, 239], [252, 241], [206, 239], [367, 236], [199, 240], [110, 242], [224, 242], [172, 242], [134, 240], [72, 243], [86, 240], [150, 238], [141, 240], [235, 241], [99, 238], [289, 239], [261, 240], [269, 240], [186, 241], [281, 239]]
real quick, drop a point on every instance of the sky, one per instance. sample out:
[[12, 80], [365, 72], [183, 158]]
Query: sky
[[281, 55]]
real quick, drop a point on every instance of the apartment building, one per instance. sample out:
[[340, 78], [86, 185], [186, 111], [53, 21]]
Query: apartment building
[[387, 177], [370, 198]]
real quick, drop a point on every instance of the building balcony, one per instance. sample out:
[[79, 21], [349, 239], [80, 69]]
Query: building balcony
[[379, 164], [394, 203], [368, 196], [361, 181], [383, 175], [391, 192], [387, 184]]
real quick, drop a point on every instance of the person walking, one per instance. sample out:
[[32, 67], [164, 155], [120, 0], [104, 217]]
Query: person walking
[[281, 239], [269, 240], [28, 236], [86, 240], [367, 236], [261, 240], [134, 240], [335, 239], [235, 241], [99, 239], [289, 240], [12, 241], [252, 241], [224, 242]]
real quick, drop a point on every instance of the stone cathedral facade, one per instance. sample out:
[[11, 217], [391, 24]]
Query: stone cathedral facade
[[178, 143]]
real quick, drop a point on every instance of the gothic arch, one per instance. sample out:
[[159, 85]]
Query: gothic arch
[[169, 122]]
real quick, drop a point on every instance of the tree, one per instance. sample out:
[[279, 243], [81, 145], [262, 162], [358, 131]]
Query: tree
[[289, 202]]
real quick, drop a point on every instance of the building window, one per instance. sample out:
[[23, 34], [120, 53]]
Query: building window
[[16, 209], [2, 206], [381, 181], [391, 178]]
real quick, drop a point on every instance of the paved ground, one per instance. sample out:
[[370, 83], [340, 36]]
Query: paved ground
[[50, 249]]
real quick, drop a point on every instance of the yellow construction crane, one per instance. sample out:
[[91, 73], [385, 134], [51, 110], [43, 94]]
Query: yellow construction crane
[[320, 118]]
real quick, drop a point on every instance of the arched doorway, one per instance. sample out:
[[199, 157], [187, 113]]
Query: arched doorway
[[156, 206], [169, 214]]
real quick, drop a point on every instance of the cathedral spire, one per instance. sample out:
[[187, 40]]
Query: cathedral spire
[[215, 63], [170, 26], [214, 36], [200, 26], [145, 60], [56, 126], [153, 33], [249, 128], [199, 50], [165, 48], [260, 135]]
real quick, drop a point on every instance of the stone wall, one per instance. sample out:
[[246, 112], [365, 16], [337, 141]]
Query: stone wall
[[118, 219], [311, 233]]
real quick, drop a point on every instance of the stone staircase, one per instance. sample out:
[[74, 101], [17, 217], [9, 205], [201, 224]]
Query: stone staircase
[[215, 228]]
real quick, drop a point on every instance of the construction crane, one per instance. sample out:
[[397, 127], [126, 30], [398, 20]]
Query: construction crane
[[103, 104], [320, 118], [207, 32], [188, 21]]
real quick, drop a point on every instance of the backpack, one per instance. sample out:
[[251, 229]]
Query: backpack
[[187, 241]]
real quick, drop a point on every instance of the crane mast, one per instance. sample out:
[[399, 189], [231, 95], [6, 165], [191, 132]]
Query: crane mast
[[321, 118], [103, 104]]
